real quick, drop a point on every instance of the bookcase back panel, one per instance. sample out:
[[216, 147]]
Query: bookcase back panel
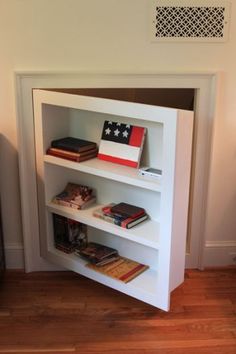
[[140, 253], [54, 124], [106, 191], [90, 124]]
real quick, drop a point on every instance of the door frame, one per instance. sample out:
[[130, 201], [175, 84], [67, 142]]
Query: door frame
[[205, 85]]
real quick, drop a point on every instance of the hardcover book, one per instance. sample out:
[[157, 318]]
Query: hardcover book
[[121, 143], [98, 254], [105, 214], [68, 234], [73, 144], [127, 210], [73, 156], [123, 269]]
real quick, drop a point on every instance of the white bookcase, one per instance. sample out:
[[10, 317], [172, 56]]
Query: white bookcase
[[158, 242]]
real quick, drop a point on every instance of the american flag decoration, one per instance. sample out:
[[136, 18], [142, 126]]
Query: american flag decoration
[[121, 143]]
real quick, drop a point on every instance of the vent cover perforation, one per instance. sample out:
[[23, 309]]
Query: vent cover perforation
[[202, 21]]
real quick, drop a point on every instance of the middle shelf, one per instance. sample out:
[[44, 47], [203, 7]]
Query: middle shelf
[[108, 170], [146, 233]]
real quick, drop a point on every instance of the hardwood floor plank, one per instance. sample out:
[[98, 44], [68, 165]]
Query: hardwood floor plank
[[64, 312]]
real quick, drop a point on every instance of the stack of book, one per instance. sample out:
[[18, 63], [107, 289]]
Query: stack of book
[[107, 261], [75, 196], [73, 149], [121, 214], [98, 254]]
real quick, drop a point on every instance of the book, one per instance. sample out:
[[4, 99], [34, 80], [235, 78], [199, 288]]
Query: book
[[105, 214], [99, 213], [68, 234], [97, 253], [123, 269], [131, 222], [73, 156], [75, 196], [121, 143], [107, 260], [127, 210], [73, 144]]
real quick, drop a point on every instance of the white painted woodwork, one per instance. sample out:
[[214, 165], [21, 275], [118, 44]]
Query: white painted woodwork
[[159, 242]]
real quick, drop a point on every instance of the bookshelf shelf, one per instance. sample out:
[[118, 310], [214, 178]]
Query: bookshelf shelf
[[108, 170], [158, 242], [143, 285], [146, 233]]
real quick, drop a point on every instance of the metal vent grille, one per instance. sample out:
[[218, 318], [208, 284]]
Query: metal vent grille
[[173, 21]]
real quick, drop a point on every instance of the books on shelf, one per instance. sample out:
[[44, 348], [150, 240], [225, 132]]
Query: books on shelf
[[105, 213], [68, 234], [122, 143], [98, 254], [122, 269], [75, 196], [73, 149], [127, 210], [73, 156], [73, 144]]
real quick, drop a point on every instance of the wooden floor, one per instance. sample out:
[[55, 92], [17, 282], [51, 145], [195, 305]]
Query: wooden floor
[[63, 312]]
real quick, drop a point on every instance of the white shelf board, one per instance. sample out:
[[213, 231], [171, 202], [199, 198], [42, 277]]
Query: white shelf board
[[146, 233], [144, 286], [108, 170]]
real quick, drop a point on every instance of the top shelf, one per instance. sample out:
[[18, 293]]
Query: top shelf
[[108, 170]]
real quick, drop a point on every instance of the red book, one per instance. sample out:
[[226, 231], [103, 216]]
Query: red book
[[131, 222], [125, 222], [73, 156], [127, 210]]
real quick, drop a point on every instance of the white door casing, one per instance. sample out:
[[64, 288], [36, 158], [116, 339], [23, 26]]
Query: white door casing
[[205, 85]]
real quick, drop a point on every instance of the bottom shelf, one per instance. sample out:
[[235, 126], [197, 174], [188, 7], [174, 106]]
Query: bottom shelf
[[143, 287]]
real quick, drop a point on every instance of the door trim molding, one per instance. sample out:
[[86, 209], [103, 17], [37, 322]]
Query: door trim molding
[[205, 84]]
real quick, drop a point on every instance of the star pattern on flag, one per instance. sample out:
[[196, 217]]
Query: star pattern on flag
[[125, 133], [108, 130], [121, 143], [117, 132]]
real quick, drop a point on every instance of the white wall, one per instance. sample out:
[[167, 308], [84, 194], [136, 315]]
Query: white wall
[[92, 35]]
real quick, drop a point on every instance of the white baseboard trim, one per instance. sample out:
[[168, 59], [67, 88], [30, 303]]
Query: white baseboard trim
[[219, 253], [14, 255]]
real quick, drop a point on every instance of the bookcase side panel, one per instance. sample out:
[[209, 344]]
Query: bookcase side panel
[[45, 131], [166, 209], [181, 197]]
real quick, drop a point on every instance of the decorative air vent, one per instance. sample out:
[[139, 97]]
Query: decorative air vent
[[195, 20]]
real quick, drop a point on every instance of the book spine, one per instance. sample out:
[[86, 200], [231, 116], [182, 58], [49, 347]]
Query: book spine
[[74, 158], [107, 211], [72, 148], [71, 153], [105, 217], [128, 224]]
